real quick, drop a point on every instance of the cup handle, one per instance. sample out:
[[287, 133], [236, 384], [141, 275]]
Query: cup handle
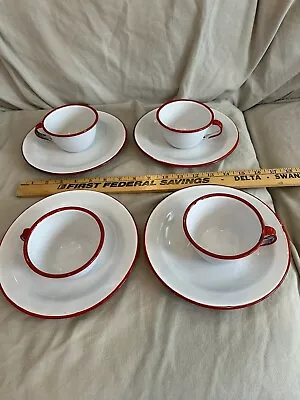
[[270, 236], [41, 135], [215, 122], [25, 234]]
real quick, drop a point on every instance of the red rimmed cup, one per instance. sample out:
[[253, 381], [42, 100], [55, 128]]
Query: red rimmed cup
[[223, 228], [64, 242], [71, 127], [185, 123]]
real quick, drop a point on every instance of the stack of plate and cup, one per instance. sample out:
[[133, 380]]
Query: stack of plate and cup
[[215, 246]]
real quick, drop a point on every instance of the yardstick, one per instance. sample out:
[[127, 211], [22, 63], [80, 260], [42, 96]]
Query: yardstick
[[255, 178]]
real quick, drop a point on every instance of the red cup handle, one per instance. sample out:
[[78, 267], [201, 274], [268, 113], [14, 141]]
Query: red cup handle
[[270, 236], [41, 135], [25, 234], [215, 122]]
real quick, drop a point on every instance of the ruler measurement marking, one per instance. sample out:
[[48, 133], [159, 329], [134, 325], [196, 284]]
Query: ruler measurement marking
[[252, 178]]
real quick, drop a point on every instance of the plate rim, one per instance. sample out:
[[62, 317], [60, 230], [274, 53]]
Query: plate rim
[[210, 306], [86, 310], [82, 170], [187, 165]]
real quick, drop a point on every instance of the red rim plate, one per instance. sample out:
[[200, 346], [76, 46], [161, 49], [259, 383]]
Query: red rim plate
[[84, 170], [223, 307], [189, 165], [78, 313]]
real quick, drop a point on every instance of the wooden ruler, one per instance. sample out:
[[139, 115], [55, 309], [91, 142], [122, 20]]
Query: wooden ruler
[[255, 178]]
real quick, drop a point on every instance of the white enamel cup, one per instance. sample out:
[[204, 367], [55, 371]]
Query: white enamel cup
[[223, 227], [64, 242], [71, 127], [185, 123]]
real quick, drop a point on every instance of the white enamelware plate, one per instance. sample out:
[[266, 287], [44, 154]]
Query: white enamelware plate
[[221, 286], [149, 138], [46, 156], [61, 298]]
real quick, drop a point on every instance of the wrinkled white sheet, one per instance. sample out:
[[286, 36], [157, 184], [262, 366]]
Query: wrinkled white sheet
[[101, 52]]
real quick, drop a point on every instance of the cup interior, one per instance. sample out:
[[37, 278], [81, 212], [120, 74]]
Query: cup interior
[[69, 120], [64, 241], [185, 115], [223, 225]]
